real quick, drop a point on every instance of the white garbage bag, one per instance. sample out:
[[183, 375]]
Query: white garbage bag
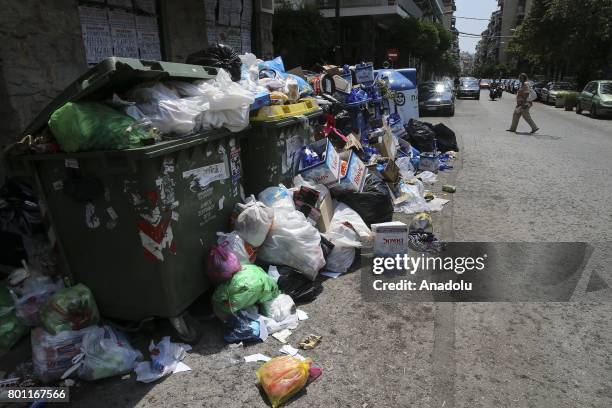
[[345, 240], [279, 308], [243, 251], [165, 357], [254, 222], [107, 353], [294, 242], [277, 197], [343, 212], [169, 113], [53, 354]]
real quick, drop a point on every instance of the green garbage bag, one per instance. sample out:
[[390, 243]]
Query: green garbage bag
[[249, 286], [70, 308], [89, 126], [11, 330]]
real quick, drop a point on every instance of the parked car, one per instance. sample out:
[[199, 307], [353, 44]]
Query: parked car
[[549, 92], [484, 83], [436, 97], [469, 88], [537, 87], [596, 98], [508, 84]]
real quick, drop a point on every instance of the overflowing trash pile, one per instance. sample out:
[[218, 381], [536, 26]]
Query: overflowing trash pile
[[359, 165]]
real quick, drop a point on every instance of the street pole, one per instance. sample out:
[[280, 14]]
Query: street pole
[[338, 34]]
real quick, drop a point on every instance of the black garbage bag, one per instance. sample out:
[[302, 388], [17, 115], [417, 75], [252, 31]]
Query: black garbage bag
[[19, 209], [374, 204], [445, 138], [300, 288], [218, 56], [421, 135]]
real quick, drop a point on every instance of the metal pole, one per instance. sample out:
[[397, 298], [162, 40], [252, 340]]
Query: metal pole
[[338, 34]]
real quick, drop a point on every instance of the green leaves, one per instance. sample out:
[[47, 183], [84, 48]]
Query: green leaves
[[568, 33]]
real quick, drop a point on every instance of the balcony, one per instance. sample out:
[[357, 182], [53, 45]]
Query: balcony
[[353, 8]]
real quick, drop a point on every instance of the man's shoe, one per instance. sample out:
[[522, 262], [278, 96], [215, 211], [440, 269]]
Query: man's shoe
[[534, 130], [510, 130]]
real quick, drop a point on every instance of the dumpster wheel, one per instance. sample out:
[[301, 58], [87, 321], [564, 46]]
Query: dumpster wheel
[[188, 329]]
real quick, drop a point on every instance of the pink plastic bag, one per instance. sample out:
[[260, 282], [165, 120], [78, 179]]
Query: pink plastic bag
[[222, 263]]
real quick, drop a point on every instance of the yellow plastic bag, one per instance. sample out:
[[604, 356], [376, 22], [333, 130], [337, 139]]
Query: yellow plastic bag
[[282, 377]]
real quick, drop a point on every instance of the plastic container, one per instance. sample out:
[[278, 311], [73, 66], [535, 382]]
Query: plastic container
[[269, 149], [274, 113], [406, 102], [130, 224]]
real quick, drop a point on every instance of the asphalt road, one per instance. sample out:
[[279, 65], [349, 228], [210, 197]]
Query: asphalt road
[[552, 186]]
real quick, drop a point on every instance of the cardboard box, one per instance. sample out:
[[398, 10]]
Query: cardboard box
[[356, 171], [390, 238], [326, 172], [390, 173], [332, 69], [383, 141], [326, 208]]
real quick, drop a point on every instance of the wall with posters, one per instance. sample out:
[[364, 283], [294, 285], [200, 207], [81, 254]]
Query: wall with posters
[[122, 28], [42, 52]]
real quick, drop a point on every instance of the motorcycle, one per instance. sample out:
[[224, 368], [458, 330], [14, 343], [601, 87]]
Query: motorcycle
[[495, 91]]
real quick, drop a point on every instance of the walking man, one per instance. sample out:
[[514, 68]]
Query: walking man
[[524, 99]]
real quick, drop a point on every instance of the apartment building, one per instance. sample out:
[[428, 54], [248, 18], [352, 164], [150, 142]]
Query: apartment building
[[493, 45]]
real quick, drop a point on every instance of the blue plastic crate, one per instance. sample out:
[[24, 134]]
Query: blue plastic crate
[[261, 99]]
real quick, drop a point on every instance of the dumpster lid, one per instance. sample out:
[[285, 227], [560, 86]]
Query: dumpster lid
[[397, 81], [116, 75]]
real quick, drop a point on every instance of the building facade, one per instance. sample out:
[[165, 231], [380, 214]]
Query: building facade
[[48, 45], [466, 63], [448, 21], [493, 45]]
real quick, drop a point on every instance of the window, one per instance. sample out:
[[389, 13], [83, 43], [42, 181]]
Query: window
[[122, 28]]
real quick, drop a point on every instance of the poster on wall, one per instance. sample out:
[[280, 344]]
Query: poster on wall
[[148, 38], [96, 34], [123, 33], [148, 6]]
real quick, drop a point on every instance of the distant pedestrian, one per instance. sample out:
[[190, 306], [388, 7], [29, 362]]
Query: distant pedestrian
[[524, 98]]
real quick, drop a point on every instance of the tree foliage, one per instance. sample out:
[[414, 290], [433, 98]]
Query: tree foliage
[[301, 36], [423, 39], [576, 35]]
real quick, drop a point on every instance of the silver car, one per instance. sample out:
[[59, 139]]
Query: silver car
[[469, 88]]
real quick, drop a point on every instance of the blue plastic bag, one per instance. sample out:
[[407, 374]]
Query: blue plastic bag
[[276, 69], [241, 327]]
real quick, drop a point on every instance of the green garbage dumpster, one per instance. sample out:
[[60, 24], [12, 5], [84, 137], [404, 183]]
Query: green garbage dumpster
[[269, 146], [135, 225]]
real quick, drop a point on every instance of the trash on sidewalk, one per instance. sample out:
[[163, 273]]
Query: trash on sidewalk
[[165, 360], [256, 357], [247, 287], [53, 354], [106, 353], [292, 351], [310, 342], [70, 308], [242, 327], [390, 238], [448, 188], [282, 335], [282, 377], [221, 264]]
